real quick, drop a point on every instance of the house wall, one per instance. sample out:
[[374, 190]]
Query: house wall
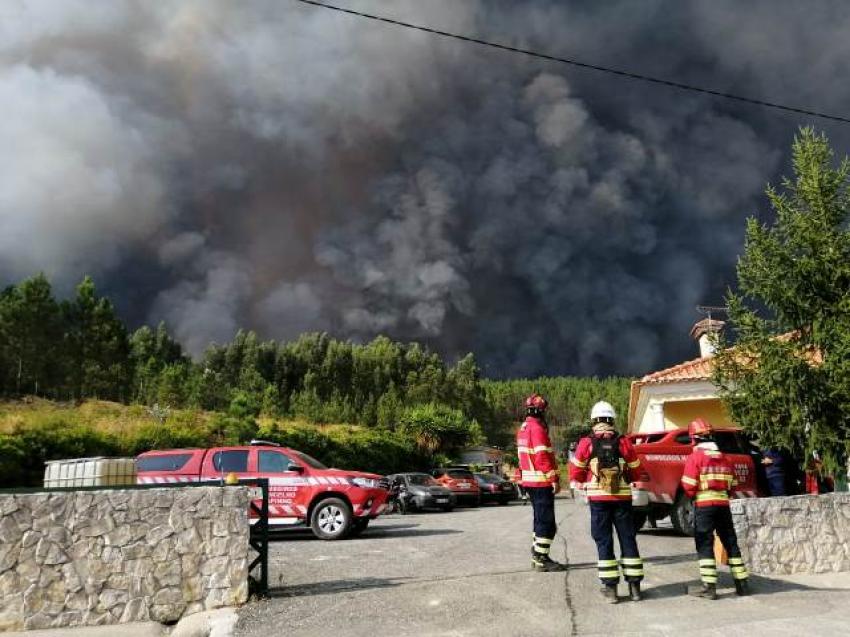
[[679, 414]]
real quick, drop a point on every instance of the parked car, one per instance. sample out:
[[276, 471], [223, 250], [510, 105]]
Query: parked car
[[302, 491], [495, 488], [461, 482], [419, 491]]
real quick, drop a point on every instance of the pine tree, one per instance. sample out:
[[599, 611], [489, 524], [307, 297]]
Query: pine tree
[[787, 379]]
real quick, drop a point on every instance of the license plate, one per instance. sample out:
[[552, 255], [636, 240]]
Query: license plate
[[462, 485], [442, 500]]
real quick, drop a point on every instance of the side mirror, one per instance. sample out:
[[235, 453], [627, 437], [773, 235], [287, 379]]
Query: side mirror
[[296, 468]]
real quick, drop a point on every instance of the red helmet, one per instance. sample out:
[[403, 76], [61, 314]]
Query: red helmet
[[699, 427], [537, 402]]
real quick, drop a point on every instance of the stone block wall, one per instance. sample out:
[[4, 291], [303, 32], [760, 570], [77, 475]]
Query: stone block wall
[[104, 557], [794, 534]]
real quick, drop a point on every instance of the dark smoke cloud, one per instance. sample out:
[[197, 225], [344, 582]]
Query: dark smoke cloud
[[274, 166]]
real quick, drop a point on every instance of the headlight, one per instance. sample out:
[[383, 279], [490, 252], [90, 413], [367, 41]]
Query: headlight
[[366, 483]]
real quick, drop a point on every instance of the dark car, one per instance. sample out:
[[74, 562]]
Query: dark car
[[419, 491], [461, 482], [495, 489]]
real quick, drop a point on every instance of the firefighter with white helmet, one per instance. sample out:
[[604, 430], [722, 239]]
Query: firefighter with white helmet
[[605, 462], [709, 479], [540, 480]]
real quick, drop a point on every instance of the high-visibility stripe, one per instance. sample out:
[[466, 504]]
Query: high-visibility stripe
[[633, 465], [716, 476], [710, 561], [540, 448], [709, 579], [736, 561], [712, 495], [708, 571], [689, 481], [631, 561], [633, 572], [615, 574], [580, 464], [607, 563], [542, 540]]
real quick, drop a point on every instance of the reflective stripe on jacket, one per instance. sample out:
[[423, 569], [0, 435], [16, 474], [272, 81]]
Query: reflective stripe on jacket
[[583, 469], [536, 457], [708, 477]]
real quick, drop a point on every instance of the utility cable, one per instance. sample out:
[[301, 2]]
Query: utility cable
[[576, 63]]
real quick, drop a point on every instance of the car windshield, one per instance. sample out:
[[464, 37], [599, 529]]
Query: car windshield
[[459, 474], [308, 460], [421, 479], [488, 477]]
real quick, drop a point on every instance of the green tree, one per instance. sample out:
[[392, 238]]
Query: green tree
[[787, 379], [98, 346], [30, 338], [437, 428]]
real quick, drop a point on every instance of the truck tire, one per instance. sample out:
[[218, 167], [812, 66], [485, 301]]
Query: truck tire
[[358, 526], [639, 519], [331, 519], [682, 515]]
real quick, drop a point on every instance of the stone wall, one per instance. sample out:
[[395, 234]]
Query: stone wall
[[103, 557], [794, 534]]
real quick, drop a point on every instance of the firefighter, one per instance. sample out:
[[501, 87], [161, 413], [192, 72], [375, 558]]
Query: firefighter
[[539, 480], [709, 479], [604, 463]]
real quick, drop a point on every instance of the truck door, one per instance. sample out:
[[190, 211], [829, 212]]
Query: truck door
[[220, 462], [286, 487]]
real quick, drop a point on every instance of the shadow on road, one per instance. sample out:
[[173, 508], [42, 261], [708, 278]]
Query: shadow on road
[[388, 531], [336, 586], [725, 587], [666, 559]]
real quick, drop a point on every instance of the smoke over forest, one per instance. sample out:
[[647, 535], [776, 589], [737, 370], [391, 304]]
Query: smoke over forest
[[275, 166]]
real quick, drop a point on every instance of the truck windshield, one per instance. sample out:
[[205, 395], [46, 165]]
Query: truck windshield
[[308, 460]]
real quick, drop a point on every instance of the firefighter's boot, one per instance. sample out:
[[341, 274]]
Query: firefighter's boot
[[708, 591], [609, 593], [545, 564], [634, 591], [742, 587]]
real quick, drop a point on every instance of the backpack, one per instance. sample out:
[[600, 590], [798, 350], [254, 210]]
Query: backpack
[[608, 470]]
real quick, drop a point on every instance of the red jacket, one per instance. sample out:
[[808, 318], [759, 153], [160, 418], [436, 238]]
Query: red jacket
[[708, 477], [583, 470], [536, 458]]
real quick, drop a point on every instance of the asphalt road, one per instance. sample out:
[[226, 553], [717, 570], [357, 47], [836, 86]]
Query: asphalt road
[[468, 573]]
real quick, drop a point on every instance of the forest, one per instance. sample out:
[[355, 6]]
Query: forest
[[385, 392]]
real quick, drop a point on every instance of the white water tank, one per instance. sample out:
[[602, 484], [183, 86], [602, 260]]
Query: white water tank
[[90, 472]]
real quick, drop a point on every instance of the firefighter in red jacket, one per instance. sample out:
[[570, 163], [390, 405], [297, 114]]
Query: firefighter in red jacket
[[604, 463], [539, 479], [709, 479]]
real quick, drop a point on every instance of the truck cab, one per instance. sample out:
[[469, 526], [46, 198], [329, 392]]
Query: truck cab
[[302, 491], [656, 491]]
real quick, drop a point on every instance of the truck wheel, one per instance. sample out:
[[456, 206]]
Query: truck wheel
[[331, 519], [639, 519], [358, 526], [682, 515]]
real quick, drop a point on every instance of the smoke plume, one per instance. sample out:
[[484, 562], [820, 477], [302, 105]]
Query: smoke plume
[[275, 166]]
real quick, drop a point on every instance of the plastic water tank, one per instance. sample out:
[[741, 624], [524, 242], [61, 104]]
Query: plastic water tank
[[89, 472]]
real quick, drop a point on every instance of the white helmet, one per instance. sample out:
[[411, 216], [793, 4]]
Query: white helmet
[[602, 411]]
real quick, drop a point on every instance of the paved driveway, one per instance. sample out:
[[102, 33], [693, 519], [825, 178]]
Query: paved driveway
[[468, 573]]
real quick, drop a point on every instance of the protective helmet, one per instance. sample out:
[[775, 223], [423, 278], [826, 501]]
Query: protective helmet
[[536, 402], [602, 412], [699, 428]]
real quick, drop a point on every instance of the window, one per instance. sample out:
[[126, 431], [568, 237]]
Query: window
[[227, 461], [460, 474], [310, 461], [167, 462], [273, 462], [683, 438]]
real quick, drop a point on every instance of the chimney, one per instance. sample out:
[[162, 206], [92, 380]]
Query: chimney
[[704, 332]]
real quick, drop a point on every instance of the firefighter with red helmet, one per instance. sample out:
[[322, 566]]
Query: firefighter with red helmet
[[540, 480], [604, 463], [709, 479]]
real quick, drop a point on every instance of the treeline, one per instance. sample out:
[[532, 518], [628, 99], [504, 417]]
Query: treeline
[[78, 349], [570, 400]]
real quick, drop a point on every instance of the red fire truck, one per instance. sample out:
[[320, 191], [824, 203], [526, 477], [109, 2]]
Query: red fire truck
[[656, 493], [302, 491]]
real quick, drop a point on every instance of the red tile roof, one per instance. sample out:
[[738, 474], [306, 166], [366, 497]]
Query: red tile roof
[[696, 369]]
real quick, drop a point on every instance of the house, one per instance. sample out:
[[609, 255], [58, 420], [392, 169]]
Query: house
[[671, 398], [489, 457]]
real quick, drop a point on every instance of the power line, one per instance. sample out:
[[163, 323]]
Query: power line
[[583, 65]]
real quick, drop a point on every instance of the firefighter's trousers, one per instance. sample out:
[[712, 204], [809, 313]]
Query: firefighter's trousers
[[604, 518], [543, 508], [707, 521]]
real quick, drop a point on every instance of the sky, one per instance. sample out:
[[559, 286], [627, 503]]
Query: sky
[[283, 168]]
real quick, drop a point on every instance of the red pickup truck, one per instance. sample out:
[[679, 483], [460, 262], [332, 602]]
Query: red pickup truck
[[335, 503], [656, 493]]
